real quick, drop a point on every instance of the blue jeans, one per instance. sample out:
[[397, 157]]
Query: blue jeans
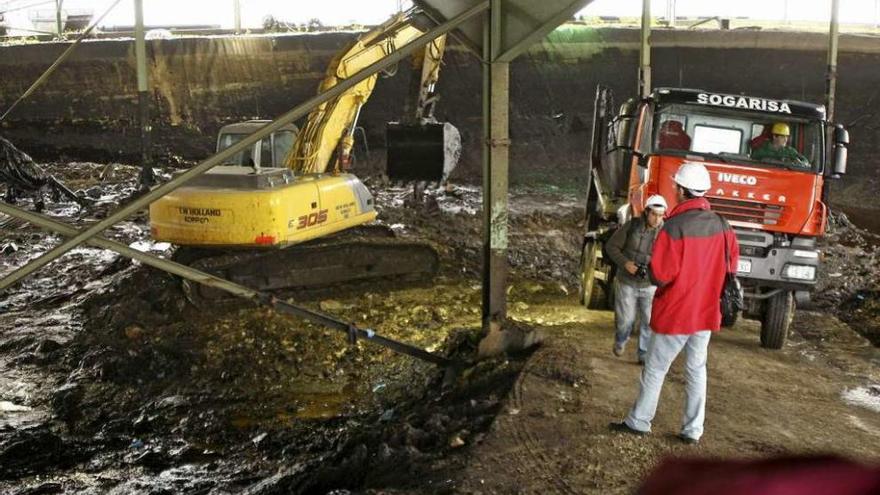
[[630, 301], [662, 351]]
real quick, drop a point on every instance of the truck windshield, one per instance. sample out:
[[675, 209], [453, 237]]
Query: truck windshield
[[738, 136]]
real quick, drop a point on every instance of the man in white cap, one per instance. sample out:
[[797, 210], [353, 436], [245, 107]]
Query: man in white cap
[[694, 251], [630, 249]]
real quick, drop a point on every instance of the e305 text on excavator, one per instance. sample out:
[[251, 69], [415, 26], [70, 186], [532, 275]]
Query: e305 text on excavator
[[287, 213]]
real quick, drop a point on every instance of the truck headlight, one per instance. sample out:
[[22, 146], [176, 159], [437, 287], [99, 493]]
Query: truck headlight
[[801, 272], [806, 254]]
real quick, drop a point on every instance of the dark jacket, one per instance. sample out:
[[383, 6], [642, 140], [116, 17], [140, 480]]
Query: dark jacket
[[633, 241], [688, 267]]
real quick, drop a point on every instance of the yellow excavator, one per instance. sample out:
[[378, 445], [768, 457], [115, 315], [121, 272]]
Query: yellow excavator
[[286, 213]]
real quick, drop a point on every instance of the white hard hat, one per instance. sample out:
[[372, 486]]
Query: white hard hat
[[656, 201], [693, 177]]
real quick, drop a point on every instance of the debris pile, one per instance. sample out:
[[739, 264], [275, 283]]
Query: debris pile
[[849, 277], [24, 177]]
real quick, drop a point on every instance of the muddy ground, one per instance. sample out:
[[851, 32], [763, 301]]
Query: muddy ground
[[110, 382]]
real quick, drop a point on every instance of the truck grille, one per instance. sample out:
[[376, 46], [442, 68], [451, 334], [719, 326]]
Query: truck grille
[[747, 211]]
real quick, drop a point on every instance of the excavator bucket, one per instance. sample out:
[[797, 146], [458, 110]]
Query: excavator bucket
[[422, 152]]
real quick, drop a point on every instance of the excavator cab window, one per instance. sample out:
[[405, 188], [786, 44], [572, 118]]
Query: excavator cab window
[[244, 157], [282, 142], [265, 152]]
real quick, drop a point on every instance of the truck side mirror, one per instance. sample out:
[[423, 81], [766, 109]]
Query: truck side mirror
[[841, 140], [641, 158], [841, 135], [626, 118], [625, 132]]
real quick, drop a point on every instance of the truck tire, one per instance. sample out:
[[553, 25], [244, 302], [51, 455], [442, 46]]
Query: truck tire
[[729, 320], [778, 313], [595, 293], [590, 293]]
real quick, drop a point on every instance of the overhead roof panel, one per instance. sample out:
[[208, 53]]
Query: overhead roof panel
[[470, 32], [523, 22]]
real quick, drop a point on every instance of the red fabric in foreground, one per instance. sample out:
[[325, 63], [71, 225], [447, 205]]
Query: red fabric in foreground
[[778, 476]]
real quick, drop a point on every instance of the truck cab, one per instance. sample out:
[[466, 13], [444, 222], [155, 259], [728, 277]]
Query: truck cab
[[770, 187]]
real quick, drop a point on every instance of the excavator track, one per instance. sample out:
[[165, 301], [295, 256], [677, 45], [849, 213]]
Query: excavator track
[[366, 252]]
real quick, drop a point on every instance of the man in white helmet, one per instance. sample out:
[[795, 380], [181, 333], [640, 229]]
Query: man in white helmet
[[694, 251], [630, 249]]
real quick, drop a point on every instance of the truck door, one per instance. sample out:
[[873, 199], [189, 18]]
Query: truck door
[[639, 159]]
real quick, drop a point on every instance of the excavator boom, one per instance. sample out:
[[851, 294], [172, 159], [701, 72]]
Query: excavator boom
[[329, 133], [281, 216], [419, 148]]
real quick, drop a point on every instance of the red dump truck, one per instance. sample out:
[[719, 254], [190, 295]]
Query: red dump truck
[[777, 206]]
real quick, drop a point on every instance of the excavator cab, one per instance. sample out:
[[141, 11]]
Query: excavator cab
[[268, 152], [284, 213]]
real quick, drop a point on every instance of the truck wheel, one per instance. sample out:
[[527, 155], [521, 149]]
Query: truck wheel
[[728, 320], [596, 292], [778, 313], [589, 290]]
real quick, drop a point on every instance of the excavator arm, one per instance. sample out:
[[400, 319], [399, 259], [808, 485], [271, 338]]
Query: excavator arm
[[329, 130], [235, 216], [420, 102]]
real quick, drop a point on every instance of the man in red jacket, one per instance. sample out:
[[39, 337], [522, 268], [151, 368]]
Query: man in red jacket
[[692, 254]]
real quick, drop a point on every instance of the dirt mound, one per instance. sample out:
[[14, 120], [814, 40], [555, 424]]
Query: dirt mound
[[849, 277]]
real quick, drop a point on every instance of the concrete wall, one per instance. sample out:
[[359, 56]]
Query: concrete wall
[[88, 108]]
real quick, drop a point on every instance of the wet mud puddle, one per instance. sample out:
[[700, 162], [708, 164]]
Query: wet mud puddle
[[110, 381]]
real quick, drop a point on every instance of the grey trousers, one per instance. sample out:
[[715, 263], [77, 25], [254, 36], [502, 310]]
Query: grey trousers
[[631, 301], [662, 351]]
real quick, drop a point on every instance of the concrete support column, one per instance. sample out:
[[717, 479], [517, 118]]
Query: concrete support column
[[59, 23], [876, 14], [496, 145], [236, 5], [645, 51], [495, 193], [146, 177], [831, 71]]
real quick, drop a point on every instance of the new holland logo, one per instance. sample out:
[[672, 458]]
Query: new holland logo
[[746, 102], [748, 180]]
